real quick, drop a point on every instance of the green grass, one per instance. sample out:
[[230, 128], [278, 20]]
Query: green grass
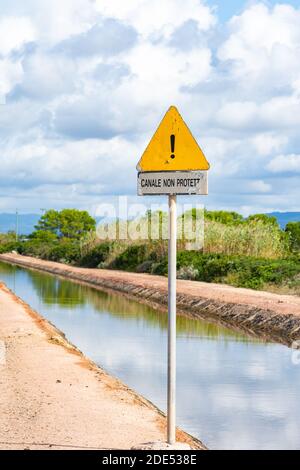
[[254, 238], [240, 271]]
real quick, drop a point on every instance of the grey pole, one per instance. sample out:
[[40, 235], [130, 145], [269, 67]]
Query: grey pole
[[172, 320]]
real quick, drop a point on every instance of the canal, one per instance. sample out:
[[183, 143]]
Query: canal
[[234, 392]]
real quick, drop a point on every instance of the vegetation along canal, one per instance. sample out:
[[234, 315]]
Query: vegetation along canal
[[234, 392]]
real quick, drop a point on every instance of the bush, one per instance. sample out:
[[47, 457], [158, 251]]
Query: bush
[[35, 248], [160, 269], [240, 271], [43, 236], [96, 256], [293, 231], [145, 267], [8, 247], [132, 257], [66, 251], [266, 219], [188, 272], [224, 217]]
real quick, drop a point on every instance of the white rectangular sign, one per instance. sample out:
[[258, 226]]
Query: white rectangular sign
[[172, 182]]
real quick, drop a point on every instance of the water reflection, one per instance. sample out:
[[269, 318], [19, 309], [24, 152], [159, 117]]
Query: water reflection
[[233, 392], [61, 292]]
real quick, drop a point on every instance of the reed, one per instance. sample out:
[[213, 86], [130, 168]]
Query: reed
[[254, 238]]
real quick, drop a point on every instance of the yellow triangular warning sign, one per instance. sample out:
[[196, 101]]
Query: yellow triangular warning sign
[[173, 147]]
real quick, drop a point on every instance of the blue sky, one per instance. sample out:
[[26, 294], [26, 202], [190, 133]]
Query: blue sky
[[228, 8], [84, 84]]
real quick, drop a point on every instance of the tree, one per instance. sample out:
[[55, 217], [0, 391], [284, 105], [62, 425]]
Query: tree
[[68, 223], [224, 217], [266, 219], [49, 222], [43, 236], [75, 223], [293, 230]]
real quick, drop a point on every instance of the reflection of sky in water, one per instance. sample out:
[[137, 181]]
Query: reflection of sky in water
[[233, 391]]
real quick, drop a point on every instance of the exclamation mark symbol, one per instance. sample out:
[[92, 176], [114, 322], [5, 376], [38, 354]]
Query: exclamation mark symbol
[[172, 138]]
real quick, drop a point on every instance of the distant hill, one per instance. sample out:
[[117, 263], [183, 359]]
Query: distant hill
[[285, 217], [26, 223]]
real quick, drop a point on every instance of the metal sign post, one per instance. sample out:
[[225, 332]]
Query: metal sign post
[[173, 163], [172, 320]]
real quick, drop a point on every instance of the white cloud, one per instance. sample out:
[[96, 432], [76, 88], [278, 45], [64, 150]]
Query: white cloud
[[10, 74], [260, 186], [55, 20], [156, 16], [221, 155], [87, 83], [255, 35], [168, 70], [72, 161], [46, 76], [285, 164], [267, 143], [237, 114], [107, 38], [83, 163], [282, 112], [14, 33]]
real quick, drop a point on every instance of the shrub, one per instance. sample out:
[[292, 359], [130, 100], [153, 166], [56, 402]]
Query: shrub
[[293, 231], [266, 219], [224, 217], [188, 272], [132, 257], [240, 271], [43, 236], [145, 267], [97, 255], [66, 251], [255, 238], [8, 247], [160, 268], [35, 248]]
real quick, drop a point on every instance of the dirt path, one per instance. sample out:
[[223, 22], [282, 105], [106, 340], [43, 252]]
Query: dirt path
[[272, 316], [51, 396], [284, 304]]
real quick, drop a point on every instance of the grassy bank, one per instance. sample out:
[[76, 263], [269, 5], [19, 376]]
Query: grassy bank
[[238, 270], [253, 253]]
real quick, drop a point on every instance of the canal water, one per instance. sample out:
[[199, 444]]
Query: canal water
[[234, 392]]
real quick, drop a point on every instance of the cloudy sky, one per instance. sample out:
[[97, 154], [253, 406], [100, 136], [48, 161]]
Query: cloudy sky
[[84, 83]]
